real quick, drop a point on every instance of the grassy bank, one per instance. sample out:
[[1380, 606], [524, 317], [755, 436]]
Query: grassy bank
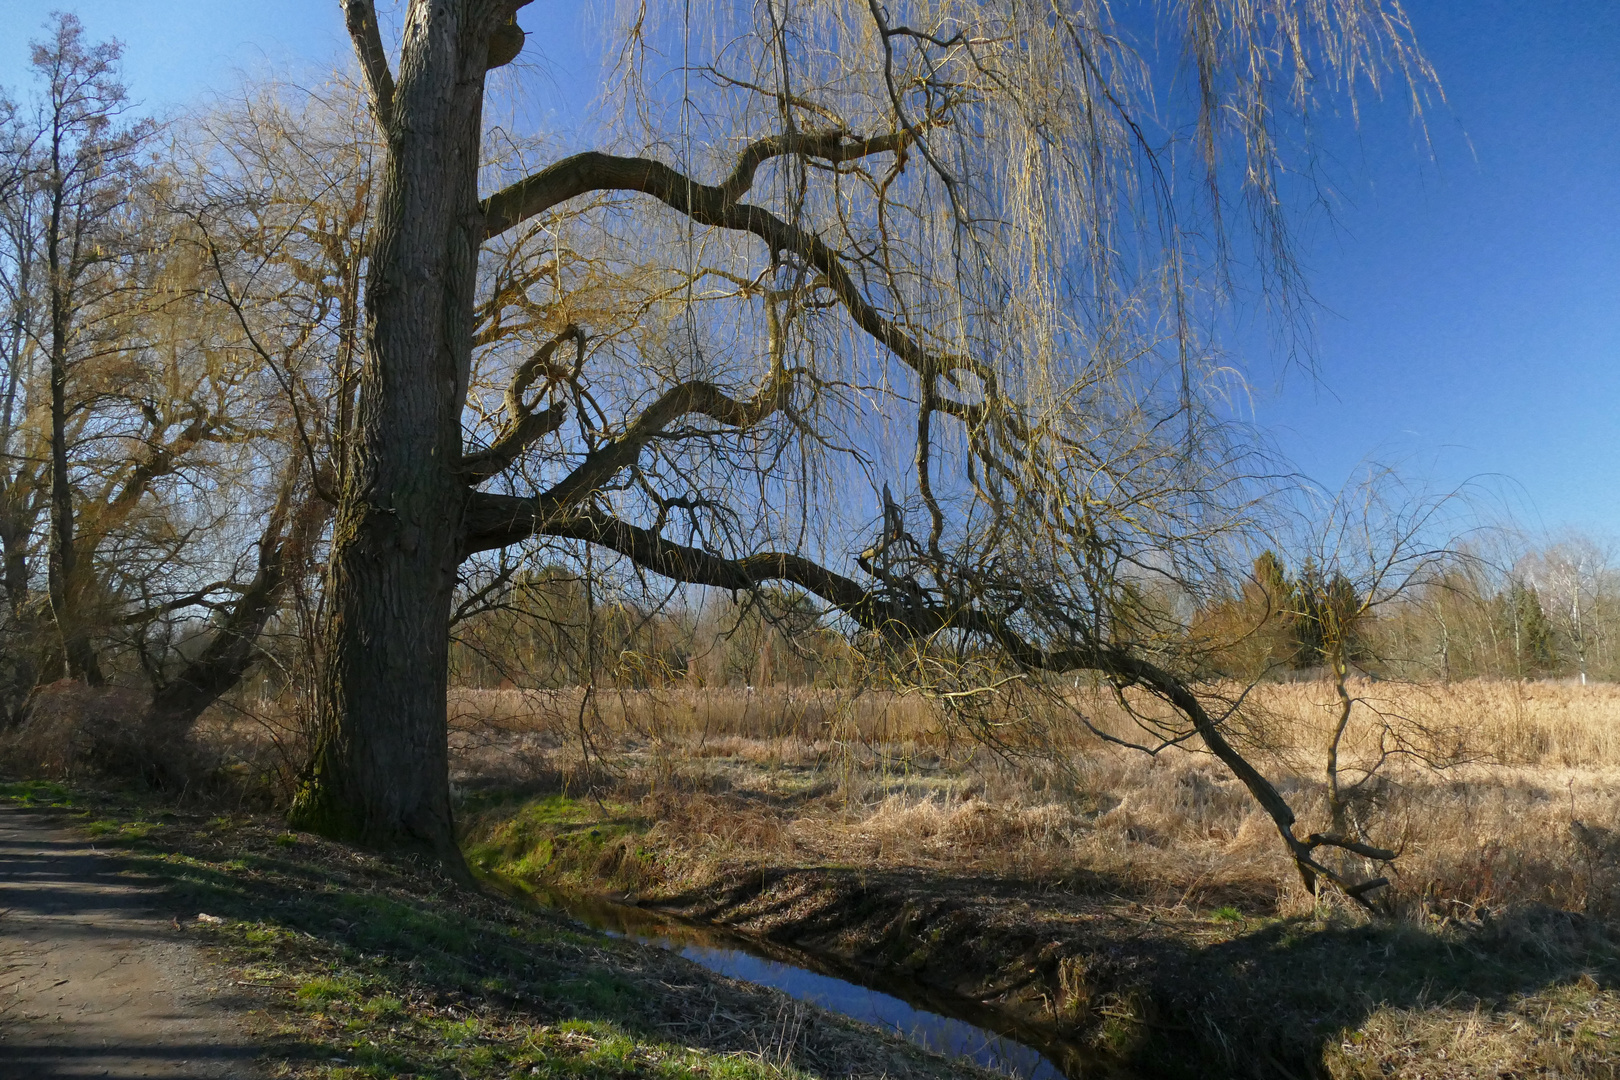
[[352, 965], [1162, 989]]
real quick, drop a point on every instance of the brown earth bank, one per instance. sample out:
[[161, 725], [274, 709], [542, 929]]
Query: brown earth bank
[[1162, 992], [1233, 979]]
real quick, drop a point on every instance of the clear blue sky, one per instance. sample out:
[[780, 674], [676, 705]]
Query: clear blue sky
[[1472, 301], [1470, 318]]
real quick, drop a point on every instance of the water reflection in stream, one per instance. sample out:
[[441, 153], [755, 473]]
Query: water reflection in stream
[[756, 961]]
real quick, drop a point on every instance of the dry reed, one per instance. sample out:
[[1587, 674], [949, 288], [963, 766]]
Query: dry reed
[[1524, 811]]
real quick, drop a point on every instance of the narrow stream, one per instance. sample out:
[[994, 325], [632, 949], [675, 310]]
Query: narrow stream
[[948, 1025]]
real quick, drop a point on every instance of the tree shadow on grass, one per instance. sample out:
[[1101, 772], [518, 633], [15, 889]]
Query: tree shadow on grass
[[393, 967], [1311, 997], [1169, 992]]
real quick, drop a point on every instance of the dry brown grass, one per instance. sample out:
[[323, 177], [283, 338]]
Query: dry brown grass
[[1569, 1031], [1507, 722], [1522, 724], [1524, 813], [700, 787], [702, 714]]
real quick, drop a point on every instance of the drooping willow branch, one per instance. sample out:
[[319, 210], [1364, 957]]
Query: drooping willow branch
[[717, 206], [1002, 440], [496, 521]]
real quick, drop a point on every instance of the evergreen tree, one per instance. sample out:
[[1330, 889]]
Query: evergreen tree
[[1328, 620], [1525, 628]]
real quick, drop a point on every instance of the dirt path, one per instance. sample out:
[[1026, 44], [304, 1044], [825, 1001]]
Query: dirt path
[[95, 977]]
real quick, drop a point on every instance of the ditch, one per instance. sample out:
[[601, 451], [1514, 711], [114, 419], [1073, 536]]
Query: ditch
[[944, 1023]]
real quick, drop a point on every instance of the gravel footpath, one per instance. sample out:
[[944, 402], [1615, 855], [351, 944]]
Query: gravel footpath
[[96, 977]]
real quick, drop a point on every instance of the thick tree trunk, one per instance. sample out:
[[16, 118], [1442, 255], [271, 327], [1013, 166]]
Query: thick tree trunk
[[65, 576], [380, 774]]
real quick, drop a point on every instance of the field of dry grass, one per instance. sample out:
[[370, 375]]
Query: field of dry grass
[[1524, 812]]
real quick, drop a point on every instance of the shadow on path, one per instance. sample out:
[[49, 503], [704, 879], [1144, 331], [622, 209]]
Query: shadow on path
[[95, 979]]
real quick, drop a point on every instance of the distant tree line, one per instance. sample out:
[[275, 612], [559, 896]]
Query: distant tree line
[[1550, 612]]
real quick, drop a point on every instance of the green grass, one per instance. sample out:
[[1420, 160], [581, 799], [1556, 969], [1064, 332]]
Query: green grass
[[559, 840], [325, 990], [369, 967], [44, 793]]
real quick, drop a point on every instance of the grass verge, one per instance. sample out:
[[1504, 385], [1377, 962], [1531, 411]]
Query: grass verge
[[357, 965]]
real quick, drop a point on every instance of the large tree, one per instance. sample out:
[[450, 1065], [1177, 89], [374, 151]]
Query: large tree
[[86, 163], [124, 414], [961, 247]]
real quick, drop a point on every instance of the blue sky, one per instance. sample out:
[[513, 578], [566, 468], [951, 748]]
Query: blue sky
[[1471, 301], [1469, 290]]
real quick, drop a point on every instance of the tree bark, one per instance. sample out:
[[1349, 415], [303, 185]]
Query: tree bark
[[63, 576], [16, 525], [380, 771]]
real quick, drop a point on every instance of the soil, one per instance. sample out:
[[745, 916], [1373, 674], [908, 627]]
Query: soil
[[1051, 956], [96, 975]]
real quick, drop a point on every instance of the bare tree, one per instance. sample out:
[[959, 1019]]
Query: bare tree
[[88, 158], [1574, 578], [948, 246], [276, 195], [1376, 547]]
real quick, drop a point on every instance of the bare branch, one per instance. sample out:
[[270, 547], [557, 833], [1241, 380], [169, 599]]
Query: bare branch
[[360, 16], [696, 397], [496, 520], [523, 425], [199, 598], [161, 460], [833, 146], [592, 171]]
